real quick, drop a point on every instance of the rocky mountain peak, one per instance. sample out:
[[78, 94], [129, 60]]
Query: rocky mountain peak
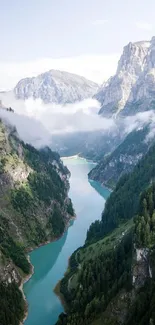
[[56, 86], [133, 57], [132, 88], [151, 55]]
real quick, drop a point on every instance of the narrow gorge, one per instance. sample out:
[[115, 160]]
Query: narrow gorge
[[50, 261]]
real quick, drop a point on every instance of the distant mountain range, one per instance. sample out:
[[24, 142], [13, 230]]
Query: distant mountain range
[[130, 90], [57, 87]]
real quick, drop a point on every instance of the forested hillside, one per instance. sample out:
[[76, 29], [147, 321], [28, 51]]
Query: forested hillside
[[123, 202], [34, 209], [111, 279], [123, 159], [145, 219]]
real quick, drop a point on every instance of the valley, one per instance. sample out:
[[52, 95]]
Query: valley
[[34, 209], [111, 277], [77, 185], [50, 261]]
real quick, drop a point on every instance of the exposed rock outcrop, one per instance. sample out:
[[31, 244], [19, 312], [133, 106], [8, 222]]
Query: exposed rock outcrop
[[132, 88]]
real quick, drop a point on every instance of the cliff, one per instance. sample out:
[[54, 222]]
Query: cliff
[[34, 209], [123, 159], [132, 88]]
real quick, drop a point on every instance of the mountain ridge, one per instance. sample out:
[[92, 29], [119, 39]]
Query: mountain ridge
[[132, 88], [34, 209], [55, 86], [123, 159]]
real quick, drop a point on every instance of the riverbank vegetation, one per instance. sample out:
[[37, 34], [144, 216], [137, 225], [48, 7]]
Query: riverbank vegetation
[[12, 305], [124, 200], [106, 284], [89, 286], [34, 209]]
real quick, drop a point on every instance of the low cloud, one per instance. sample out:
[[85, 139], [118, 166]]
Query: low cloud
[[36, 122], [29, 130], [139, 120]]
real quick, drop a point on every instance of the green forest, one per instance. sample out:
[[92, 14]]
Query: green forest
[[11, 249], [12, 305], [123, 159], [33, 210], [145, 219], [101, 271], [124, 200], [99, 280]]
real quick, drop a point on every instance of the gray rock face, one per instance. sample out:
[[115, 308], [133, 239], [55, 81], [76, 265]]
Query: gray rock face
[[132, 89], [123, 159], [56, 87]]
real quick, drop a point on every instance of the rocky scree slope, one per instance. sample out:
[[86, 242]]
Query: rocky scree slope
[[132, 88], [34, 209], [57, 87]]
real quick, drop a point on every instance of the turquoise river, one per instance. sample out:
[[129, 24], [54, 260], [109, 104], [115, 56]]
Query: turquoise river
[[50, 261]]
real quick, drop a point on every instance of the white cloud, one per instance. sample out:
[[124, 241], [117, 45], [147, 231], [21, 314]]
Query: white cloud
[[99, 22], [36, 122], [144, 26], [56, 119], [93, 67], [139, 120], [29, 129]]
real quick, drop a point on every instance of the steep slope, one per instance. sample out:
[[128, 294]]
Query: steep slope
[[123, 202], [34, 209], [132, 88], [91, 145], [143, 92], [111, 279], [122, 159], [56, 87]]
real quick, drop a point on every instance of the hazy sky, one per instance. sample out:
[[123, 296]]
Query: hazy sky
[[83, 36]]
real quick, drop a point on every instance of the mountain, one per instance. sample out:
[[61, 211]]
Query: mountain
[[91, 145], [111, 279], [57, 87], [132, 88], [123, 202], [34, 209], [123, 159]]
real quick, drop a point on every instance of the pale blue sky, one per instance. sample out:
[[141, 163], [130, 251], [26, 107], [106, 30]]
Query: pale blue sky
[[41, 29]]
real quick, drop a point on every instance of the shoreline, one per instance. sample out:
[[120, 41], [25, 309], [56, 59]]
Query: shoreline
[[60, 295], [78, 157], [23, 281], [57, 287], [102, 184], [28, 277], [73, 157], [57, 291]]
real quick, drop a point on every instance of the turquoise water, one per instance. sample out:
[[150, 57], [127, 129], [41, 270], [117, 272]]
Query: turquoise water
[[50, 261]]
